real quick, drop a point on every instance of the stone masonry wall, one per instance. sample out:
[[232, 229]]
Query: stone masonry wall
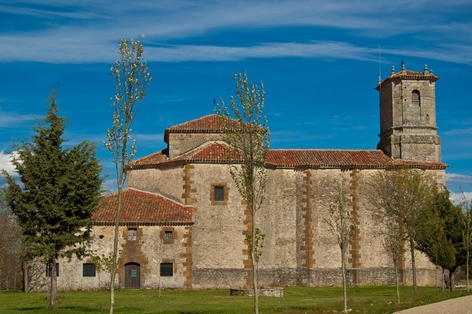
[[148, 250], [167, 182], [180, 143]]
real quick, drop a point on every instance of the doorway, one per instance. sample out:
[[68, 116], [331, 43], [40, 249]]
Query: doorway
[[132, 276]]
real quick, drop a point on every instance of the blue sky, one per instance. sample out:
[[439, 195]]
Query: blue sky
[[319, 61]]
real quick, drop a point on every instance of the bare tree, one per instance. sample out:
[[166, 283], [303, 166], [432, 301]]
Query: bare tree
[[250, 143], [10, 246], [132, 78], [402, 195], [392, 242], [343, 227]]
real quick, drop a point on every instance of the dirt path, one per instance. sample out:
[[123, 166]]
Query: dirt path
[[462, 305]]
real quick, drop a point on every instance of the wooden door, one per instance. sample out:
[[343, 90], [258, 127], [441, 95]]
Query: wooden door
[[132, 275]]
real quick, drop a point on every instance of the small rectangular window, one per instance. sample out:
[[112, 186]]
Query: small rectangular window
[[167, 269], [88, 270], [132, 234], [169, 236], [48, 270], [219, 193]]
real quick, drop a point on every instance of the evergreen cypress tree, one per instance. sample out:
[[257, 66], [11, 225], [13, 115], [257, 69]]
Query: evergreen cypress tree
[[440, 237], [59, 190]]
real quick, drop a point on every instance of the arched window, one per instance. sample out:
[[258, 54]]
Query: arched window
[[415, 98]]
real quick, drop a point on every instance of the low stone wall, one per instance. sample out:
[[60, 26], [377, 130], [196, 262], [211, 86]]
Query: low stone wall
[[276, 292]]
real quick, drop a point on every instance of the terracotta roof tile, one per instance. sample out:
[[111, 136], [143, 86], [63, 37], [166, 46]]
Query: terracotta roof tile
[[327, 158], [152, 159], [211, 123], [341, 159], [212, 152], [418, 164], [315, 158], [407, 74], [410, 73], [141, 208]]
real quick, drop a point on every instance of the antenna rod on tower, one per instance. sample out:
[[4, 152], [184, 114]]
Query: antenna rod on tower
[[380, 67], [380, 77]]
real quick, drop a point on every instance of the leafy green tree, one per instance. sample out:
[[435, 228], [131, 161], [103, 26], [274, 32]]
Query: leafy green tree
[[432, 238], [453, 218], [343, 227], [102, 263], [402, 195], [250, 141], [59, 190], [132, 78], [467, 233]]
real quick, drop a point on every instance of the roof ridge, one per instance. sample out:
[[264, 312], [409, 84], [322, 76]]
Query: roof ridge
[[199, 148], [158, 195], [325, 149], [190, 121], [148, 155]]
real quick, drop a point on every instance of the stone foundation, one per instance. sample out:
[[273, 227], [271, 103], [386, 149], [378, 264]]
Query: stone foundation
[[275, 292]]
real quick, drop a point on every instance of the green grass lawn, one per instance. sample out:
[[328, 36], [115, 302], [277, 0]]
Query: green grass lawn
[[300, 300]]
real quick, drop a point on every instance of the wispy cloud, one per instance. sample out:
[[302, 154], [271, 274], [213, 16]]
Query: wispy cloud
[[109, 186], [147, 137], [11, 119], [459, 132], [458, 198], [5, 162], [96, 27], [51, 13], [458, 179], [331, 50]]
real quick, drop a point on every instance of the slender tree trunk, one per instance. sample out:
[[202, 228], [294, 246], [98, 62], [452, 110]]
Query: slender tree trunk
[[115, 249], [24, 269], [343, 270], [254, 262], [397, 281], [413, 266], [467, 266], [452, 280], [443, 279], [53, 277], [15, 278]]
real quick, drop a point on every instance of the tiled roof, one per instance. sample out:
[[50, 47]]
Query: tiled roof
[[418, 164], [327, 158], [213, 152], [152, 159], [211, 123], [217, 152], [407, 74], [341, 159], [142, 208]]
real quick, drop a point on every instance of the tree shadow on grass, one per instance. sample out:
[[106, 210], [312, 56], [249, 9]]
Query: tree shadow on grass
[[78, 309]]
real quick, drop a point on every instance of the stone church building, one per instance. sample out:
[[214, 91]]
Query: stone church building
[[183, 223]]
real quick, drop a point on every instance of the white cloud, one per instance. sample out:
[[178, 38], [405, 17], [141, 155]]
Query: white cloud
[[147, 137], [5, 162], [458, 198], [459, 132], [96, 26], [458, 179], [10, 119], [331, 50], [109, 186]]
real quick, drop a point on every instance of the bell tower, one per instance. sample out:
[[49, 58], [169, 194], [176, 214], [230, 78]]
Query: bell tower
[[408, 127]]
